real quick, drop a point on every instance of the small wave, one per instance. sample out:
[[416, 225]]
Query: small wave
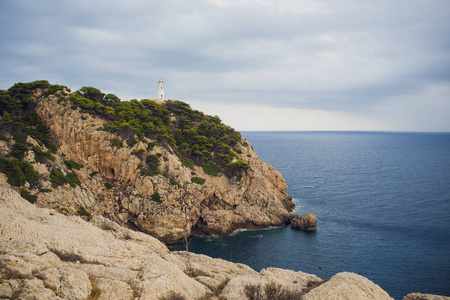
[[310, 186], [255, 229], [257, 236]]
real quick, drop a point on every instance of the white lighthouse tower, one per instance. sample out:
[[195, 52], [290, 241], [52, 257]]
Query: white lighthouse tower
[[160, 91]]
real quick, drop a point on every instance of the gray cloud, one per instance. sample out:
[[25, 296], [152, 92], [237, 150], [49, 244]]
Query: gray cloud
[[348, 56]]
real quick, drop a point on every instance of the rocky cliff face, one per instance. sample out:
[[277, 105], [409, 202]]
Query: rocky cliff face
[[219, 206]]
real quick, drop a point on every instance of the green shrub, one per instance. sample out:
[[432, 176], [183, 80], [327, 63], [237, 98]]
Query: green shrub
[[236, 169], [138, 152], [237, 150], [131, 142], [156, 197], [19, 150], [45, 190], [31, 176], [20, 138], [116, 142], [52, 89], [148, 172], [41, 156], [57, 178], [95, 291], [150, 146], [198, 180], [72, 179], [108, 185], [18, 172], [152, 162], [84, 212], [27, 196], [173, 181], [93, 174], [73, 164], [212, 169], [187, 162]]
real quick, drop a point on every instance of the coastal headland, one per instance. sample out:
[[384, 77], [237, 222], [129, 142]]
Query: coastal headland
[[91, 187]]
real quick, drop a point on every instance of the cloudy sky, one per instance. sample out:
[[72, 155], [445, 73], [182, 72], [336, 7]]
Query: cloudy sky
[[257, 64]]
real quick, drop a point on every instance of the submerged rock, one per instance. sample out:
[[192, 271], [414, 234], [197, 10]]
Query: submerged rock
[[308, 221]]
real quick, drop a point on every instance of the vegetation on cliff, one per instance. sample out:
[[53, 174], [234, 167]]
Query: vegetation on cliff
[[197, 139], [19, 120], [162, 167]]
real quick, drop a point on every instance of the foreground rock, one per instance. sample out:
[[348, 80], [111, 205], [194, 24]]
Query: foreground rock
[[46, 255], [308, 221], [419, 296], [347, 286]]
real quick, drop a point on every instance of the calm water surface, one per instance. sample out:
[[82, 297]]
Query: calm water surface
[[383, 207]]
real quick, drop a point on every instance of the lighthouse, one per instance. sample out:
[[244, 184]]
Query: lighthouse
[[160, 91]]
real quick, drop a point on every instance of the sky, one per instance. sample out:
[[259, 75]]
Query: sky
[[257, 64]]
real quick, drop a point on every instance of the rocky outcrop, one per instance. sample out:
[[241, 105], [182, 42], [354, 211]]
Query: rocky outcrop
[[269, 282], [219, 206], [347, 286], [47, 255], [308, 221], [419, 296]]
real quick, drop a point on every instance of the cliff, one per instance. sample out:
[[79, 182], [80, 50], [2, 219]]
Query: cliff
[[158, 183]]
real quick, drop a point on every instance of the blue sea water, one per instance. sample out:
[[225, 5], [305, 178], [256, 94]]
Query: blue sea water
[[382, 202]]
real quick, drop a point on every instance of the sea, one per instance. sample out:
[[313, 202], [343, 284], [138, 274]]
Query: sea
[[382, 202]]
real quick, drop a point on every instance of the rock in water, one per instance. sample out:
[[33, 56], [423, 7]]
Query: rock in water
[[308, 221]]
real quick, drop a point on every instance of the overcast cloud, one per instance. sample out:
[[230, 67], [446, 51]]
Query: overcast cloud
[[258, 64]]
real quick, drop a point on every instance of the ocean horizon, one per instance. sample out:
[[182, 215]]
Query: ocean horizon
[[382, 201]]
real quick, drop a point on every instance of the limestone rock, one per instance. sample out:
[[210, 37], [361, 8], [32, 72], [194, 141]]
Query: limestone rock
[[47, 255], [209, 271], [297, 283], [114, 289], [308, 221], [347, 286], [419, 296], [219, 206]]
